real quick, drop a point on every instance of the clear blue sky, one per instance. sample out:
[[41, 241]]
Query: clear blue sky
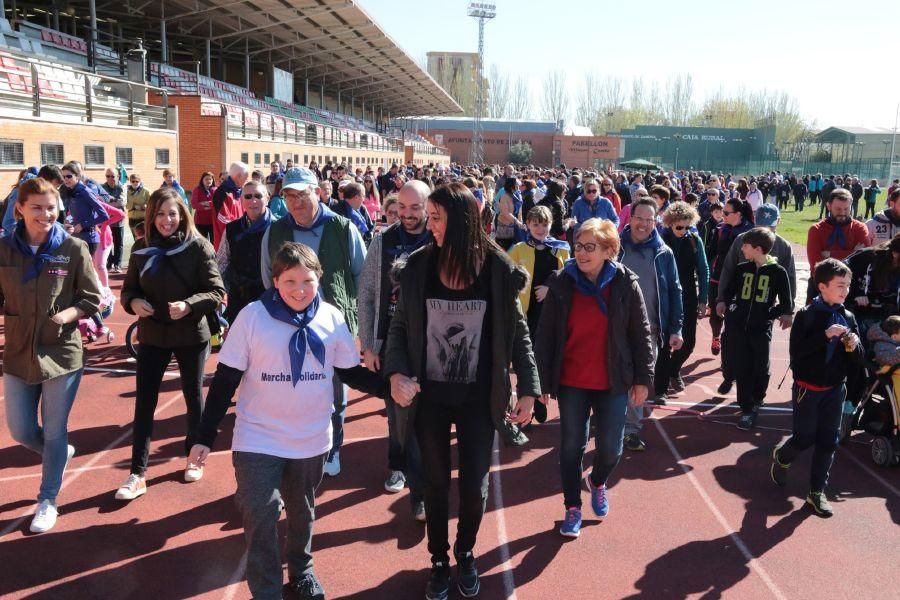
[[838, 59]]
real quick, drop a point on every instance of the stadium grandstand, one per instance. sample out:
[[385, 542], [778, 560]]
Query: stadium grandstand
[[192, 85]]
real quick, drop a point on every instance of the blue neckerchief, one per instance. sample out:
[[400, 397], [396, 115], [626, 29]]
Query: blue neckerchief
[[324, 215], [584, 285], [157, 254], [409, 243], [248, 227], [549, 241], [44, 253], [836, 318], [303, 337], [517, 202], [356, 218], [652, 243], [837, 236], [479, 195]]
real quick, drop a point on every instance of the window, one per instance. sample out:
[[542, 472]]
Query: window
[[162, 157], [267, 157], [52, 154], [277, 158], [12, 153], [256, 158], [94, 155], [245, 157], [306, 159], [296, 158], [124, 156]]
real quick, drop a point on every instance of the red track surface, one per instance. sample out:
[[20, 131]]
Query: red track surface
[[693, 516]]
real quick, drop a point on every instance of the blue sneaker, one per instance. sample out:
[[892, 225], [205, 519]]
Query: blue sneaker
[[571, 526], [599, 501]]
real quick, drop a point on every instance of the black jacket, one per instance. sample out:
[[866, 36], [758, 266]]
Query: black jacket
[[808, 349], [751, 296], [630, 350]]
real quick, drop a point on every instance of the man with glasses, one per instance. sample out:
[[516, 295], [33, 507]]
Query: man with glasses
[[115, 197], [593, 206], [340, 249]]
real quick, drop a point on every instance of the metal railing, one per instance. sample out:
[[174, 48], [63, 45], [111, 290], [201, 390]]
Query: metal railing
[[43, 88]]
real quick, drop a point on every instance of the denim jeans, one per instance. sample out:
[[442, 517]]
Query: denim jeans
[[634, 415], [404, 457], [337, 417], [50, 438], [265, 485], [575, 406], [817, 422]]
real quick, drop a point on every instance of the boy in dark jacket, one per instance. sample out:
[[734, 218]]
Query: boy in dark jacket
[[751, 308], [824, 343]]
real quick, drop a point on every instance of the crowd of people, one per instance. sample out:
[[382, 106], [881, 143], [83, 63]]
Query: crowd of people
[[430, 286]]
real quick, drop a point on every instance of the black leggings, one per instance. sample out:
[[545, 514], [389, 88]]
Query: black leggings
[[689, 333], [115, 257], [474, 442]]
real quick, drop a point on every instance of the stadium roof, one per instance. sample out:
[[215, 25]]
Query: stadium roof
[[465, 124], [848, 135], [330, 42]]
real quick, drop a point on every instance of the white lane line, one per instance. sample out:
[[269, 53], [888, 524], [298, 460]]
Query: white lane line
[[509, 584], [97, 458], [752, 562], [735, 406], [234, 582], [868, 470]]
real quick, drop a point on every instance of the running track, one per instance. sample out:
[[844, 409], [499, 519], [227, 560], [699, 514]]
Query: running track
[[693, 516]]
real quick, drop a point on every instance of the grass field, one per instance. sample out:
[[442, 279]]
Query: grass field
[[794, 225]]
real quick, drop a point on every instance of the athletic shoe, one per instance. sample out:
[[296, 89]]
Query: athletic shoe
[[716, 346], [70, 452], [333, 465], [395, 482], [634, 442], [306, 587], [44, 517], [540, 411], [725, 386], [418, 511], [571, 526], [438, 587], [747, 421], [820, 504], [658, 400], [467, 575], [133, 487], [779, 472], [676, 383], [599, 501], [193, 473]]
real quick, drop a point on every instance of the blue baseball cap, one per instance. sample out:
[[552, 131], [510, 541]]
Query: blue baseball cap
[[298, 178], [767, 215]]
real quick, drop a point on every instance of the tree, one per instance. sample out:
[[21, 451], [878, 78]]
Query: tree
[[499, 95], [520, 106], [555, 99], [520, 153]]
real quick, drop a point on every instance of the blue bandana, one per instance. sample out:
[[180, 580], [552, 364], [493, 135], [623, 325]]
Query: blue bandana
[[409, 243], [250, 227], [549, 241], [356, 218], [44, 253], [324, 215], [304, 337], [837, 237], [585, 286], [836, 318], [157, 254]]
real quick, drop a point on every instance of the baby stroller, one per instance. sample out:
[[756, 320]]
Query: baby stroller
[[89, 328], [878, 414]]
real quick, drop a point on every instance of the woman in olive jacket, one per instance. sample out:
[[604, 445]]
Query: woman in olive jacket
[[172, 283], [47, 283], [593, 347]]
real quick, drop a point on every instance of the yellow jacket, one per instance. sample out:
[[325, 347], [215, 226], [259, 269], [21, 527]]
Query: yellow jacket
[[523, 255]]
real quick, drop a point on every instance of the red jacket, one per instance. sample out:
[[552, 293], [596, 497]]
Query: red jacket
[[203, 215], [616, 201], [856, 236], [231, 210]]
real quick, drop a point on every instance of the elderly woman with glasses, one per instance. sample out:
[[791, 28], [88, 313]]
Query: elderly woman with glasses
[[593, 349], [592, 205]]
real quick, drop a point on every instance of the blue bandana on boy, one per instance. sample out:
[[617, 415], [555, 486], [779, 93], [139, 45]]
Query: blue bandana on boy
[[550, 242], [836, 318], [303, 337]]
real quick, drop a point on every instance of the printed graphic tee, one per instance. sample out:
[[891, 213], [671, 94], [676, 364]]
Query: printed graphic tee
[[273, 416], [457, 339]]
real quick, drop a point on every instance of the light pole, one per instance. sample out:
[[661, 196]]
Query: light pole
[[859, 156], [677, 137], [483, 12]]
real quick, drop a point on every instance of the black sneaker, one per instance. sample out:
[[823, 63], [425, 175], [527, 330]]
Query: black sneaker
[[438, 587], [676, 384], [725, 386], [820, 505], [779, 471], [467, 575], [418, 511], [658, 400], [540, 411], [747, 421], [306, 587], [634, 442]]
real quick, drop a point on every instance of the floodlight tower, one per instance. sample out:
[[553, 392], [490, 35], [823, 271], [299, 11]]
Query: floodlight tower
[[483, 12]]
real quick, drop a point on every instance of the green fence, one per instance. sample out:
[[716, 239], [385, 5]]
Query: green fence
[[865, 169]]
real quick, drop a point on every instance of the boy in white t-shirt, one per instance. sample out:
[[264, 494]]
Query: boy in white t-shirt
[[283, 351]]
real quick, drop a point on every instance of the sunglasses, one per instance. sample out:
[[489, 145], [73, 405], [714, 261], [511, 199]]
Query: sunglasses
[[728, 212], [681, 227], [257, 196], [110, 176], [591, 191], [68, 176]]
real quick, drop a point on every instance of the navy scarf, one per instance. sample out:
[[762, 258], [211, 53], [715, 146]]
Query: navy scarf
[[585, 286], [549, 241], [157, 253], [837, 236], [356, 218], [836, 317], [44, 253], [249, 227], [409, 243], [304, 337], [324, 215]]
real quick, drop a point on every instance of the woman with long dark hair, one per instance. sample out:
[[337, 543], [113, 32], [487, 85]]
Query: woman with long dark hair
[[457, 327], [202, 203]]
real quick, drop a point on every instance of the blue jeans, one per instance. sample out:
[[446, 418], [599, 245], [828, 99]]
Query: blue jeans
[[575, 406], [50, 439], [337, 417]]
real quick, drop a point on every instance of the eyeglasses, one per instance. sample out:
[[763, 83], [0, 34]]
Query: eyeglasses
[[68, 176], [591, 191], [728, 212], [681, 227], [110, 176], [257, 196], [589, 248]]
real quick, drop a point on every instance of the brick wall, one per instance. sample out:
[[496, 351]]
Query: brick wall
[[200, 140]]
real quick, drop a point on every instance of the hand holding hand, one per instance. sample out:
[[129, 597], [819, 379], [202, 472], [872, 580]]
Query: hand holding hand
[[199, 454], [404, 389], [521, 414], [371, 360], [675, 342], [720, 309]]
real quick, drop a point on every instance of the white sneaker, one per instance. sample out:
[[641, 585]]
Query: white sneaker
[[69, 454], [134, 486], [193, 472], [396, 482], [44, 517], [333, 466]]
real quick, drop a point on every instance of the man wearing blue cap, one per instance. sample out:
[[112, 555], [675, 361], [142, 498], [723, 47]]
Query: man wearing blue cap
[[341, 251]]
